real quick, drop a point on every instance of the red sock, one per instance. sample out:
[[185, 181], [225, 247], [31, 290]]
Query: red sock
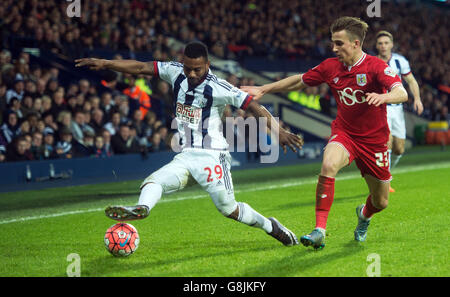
[[369, 209], [324, 199]]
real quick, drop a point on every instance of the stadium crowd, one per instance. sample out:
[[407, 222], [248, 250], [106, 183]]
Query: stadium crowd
[[41, 118]]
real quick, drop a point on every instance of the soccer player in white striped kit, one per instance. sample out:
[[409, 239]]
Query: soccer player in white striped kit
[[395, 115], [201, 98]]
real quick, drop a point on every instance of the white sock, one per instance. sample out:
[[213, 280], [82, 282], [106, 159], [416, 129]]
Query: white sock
[[249, 216], [323, 231], [396, 159], [150, 195]]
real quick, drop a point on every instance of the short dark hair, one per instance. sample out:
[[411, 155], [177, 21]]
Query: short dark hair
[[196, 49]]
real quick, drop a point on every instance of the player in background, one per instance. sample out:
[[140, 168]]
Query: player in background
[[360, 132], [201, 98], [395, 115]]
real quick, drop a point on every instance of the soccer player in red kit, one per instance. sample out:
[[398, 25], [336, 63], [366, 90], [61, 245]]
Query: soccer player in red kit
[[362, 86]]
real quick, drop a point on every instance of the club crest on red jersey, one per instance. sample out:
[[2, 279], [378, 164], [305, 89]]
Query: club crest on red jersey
[[361, 79]]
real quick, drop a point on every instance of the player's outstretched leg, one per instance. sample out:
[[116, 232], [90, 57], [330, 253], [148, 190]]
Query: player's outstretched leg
[[150, 195], [316, 239], [244, 213]]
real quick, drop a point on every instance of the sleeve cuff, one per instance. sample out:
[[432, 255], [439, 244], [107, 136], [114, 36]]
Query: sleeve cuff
[[396, 84], [155, 66], [246, 102]]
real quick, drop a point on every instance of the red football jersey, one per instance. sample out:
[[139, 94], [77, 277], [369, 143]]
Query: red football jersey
[[349, 84]]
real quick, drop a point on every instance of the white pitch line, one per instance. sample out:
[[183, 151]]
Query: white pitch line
[[306, 181]]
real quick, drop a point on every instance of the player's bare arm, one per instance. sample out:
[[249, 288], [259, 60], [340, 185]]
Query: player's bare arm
[[414, 88], [125, 66], [291, 83], [397, 95], [285, 138]]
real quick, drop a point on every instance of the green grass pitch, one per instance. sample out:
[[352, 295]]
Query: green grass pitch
[[186, 236]]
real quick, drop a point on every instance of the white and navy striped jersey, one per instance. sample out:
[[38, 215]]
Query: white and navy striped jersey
[[199, 110], [401, 66]]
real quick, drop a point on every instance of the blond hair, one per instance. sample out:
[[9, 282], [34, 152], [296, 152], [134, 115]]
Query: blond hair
[[355, 27], [384, 33]]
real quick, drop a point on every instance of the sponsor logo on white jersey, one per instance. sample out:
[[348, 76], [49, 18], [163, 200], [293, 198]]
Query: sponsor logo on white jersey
[[188, 114]]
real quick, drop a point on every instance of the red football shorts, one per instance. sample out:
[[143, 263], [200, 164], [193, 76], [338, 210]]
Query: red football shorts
[[371, 159]]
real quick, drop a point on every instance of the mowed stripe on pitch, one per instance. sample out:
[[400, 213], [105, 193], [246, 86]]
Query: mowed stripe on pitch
[[253, 188]]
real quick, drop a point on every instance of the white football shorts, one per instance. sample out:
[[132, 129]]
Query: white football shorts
[[396, 120], [209, 168]]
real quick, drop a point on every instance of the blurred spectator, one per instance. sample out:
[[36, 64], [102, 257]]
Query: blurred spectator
[[149, 121], [49, 142], [15, 105], [85, 147], [139, 99], [2, 153], [33, 119], [58, 104], [3, 104], [64, 148], [37, 105], [107, 105], [97, 120], [84, 86], [113, 125], [156, 143], [49, 121], [106, 141], [18, 151], [17, 91], [100, 150], [72, 104], [123, 142], [37, 145], [26, 105], [164, 94], [78, 126], [64, 120], [11, 128], [138, 123]]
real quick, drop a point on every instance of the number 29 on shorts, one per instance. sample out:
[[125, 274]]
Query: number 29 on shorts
[[217, 170]]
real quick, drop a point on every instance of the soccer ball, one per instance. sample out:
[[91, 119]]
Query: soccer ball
[[121, 239]]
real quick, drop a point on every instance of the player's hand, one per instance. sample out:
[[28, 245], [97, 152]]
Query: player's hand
[[256, 91], [92, 63], [289, 139], [375, 99], [418, 106]]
